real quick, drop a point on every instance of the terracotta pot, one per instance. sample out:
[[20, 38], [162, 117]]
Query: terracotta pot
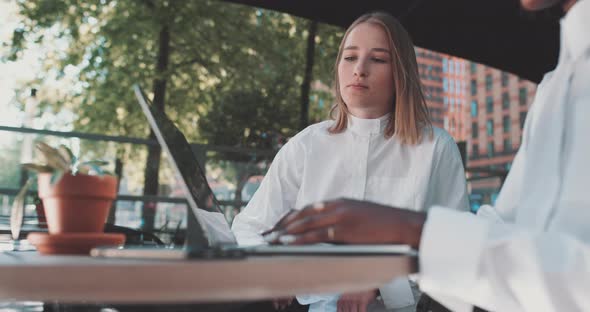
[[77, 203]]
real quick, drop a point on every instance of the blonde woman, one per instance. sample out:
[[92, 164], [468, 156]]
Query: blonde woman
[[380, 147]]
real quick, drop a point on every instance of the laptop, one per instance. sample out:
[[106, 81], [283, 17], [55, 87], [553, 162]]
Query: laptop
[[208, 233]]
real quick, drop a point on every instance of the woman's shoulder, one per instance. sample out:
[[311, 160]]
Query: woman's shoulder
[[437, 140], [440, 135], [433, 136], [304, 139], [311, 132]]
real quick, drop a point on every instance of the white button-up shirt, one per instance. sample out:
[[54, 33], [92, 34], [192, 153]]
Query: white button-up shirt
[[532, 252], [359, 163]]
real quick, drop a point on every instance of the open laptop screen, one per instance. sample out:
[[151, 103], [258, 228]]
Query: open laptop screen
[[185, 159], [205, 222]]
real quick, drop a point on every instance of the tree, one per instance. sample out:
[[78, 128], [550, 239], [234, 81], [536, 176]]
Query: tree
[[9, 160], [193, 54]]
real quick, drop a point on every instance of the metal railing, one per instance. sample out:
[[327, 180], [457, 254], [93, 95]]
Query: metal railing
[[202, 148]]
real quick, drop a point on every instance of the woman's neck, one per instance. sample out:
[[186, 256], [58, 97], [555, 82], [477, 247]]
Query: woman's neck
[[368, 113]]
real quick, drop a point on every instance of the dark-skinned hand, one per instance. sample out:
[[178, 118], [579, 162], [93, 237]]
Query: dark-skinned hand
[[356, 302], [348, 221]]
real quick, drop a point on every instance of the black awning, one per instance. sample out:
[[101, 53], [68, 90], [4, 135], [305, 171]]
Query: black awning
[[497, 33]]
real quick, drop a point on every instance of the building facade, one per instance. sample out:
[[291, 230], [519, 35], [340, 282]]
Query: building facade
[[498, 104], [481, 106], [431, 75]]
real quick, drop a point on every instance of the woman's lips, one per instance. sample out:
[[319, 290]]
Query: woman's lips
[[358, 86]]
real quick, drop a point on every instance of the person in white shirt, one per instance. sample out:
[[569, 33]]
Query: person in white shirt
[[530, 253], [380, 146]]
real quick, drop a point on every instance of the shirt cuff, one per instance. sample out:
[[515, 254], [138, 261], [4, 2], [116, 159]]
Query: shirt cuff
[[489, 213], [397, 293], [450, 249]]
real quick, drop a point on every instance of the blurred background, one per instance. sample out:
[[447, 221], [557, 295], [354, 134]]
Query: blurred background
[[239, 81]]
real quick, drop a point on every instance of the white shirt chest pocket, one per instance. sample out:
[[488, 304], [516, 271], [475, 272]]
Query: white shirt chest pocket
[[393, 191]]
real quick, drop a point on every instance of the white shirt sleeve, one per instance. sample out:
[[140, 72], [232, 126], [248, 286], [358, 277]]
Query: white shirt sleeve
[[501, 266], [274, 198], [447, 186], [505, 209]]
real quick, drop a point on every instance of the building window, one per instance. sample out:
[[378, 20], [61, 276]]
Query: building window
[[473, 108], [473, 67], [522, 119], [490, 149], [473, 87], [489, 104], [451, 86], [507, 145], [522, 96], [505, 100], [504, 79], [444, 65], [490, 127], [474, 129], [489, 82], [506, 124], [475, 150]]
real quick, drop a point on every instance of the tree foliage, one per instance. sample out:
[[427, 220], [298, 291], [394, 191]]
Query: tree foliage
[[233, 78]]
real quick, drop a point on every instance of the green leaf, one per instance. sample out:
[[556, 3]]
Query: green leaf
[[52, 157], [37, 167], [67, 154], [18, 210], [56, 176]]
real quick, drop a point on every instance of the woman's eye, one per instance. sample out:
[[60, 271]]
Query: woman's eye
[[350, 58], [378, 60]]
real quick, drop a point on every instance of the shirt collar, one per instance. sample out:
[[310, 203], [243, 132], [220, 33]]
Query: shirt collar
[[368, 126], [575, 40]]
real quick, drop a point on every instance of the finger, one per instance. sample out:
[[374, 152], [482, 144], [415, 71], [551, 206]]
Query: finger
[[348, 304], [340, 304], [361, 303], [272, 237], [279, 222], [314, 222], [322, 235], [275, 304], [310, 210], [363, 306]]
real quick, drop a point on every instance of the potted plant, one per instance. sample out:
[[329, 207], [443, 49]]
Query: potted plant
[[76, 195]]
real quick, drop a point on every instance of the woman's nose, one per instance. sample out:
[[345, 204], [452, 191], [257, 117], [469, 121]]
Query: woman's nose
[[360, 69]]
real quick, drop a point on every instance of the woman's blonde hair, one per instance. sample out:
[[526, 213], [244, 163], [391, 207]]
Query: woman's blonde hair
[[410, 115]]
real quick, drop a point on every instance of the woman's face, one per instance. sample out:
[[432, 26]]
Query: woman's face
[[365, 72]]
